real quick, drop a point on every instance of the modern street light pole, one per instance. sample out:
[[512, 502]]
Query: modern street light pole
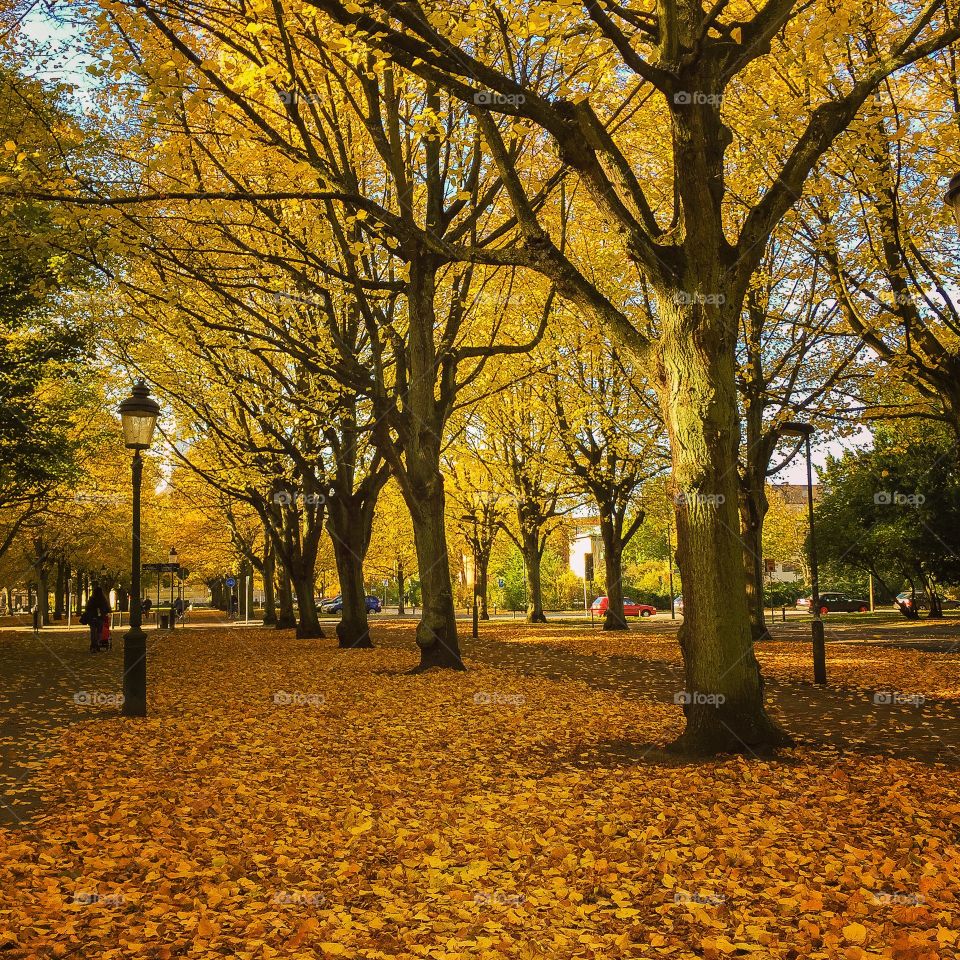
[[138, 413], [805, 430]]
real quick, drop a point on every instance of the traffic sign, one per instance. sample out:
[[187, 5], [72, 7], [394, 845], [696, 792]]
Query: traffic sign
[[231, 582], [501, 583]]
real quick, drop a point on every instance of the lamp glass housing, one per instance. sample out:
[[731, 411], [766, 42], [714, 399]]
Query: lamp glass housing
[[794, 429], [139, 413]]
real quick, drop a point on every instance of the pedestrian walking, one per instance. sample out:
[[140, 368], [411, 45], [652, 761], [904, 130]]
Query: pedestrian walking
[[95, 612]]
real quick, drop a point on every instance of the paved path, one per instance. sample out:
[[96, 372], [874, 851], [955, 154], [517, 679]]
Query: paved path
[[43, 686]]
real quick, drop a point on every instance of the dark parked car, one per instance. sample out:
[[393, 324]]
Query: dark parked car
[[840, 603], [336, 605]]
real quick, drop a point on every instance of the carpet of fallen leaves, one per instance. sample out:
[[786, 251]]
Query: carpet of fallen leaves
[[859, 666], [868, 666], [285, 799]]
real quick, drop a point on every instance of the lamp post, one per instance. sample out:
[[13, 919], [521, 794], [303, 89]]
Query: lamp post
[[794, 429], [138, 413], [172, 560], [952, 198]]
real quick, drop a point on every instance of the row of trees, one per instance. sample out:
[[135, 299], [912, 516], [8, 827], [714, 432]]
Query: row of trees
[[357, 241]]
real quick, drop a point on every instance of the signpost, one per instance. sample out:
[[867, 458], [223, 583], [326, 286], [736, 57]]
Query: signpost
[[174, 569], [231, 582]]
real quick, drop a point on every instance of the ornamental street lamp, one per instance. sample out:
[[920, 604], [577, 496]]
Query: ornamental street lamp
[[952, 198], [138, 414], [805, 430]]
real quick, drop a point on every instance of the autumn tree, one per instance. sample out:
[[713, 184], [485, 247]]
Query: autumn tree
[[516, 439], [342, 122], [693, 218], [469, 120], [393, 552], [877, 218], [612, 438], [795, 361], [44, 348], [258, 441], [477, 513]]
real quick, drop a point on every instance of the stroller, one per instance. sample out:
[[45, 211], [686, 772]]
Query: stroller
[[106, 636]]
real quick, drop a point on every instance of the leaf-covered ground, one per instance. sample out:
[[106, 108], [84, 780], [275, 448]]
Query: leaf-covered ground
[[850, 664], [285, 799]]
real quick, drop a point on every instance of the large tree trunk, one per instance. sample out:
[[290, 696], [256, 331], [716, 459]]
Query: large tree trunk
[[287, 619], [43, 594], [753, 509], [346, 532], [531, 556], [422, 481], [758, 448], [269, 583], [437, 629], [483, 581], [723, 699], [296, 539], [615, 618], [60, 590], [308, 620]]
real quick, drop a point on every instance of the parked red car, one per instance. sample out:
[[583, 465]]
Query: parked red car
[[630, 608]]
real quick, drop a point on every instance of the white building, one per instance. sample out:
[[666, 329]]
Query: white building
[[585, 542], [776, 572]]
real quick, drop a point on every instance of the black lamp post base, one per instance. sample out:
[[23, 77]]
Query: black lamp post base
[[135, 673]]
